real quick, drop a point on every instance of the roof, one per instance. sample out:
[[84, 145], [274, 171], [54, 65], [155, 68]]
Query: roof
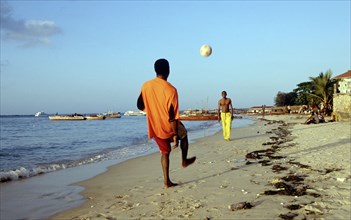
[[344, 75]]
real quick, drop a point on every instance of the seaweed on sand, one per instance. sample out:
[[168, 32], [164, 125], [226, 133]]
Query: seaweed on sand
[[277, 168], [288, 216]]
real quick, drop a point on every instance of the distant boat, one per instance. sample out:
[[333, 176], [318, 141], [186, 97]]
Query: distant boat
[[67, 117], [133, 113], [38, 114], [95, 117], [198, 117], [111, 114], [201, 115]]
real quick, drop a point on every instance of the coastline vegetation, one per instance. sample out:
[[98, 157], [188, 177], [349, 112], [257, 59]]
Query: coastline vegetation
[[317, 91]]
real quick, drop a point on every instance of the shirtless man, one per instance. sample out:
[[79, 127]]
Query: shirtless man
[[225, 104]]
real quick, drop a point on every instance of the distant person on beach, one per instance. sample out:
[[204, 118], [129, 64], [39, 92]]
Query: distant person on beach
[[314, 118], [263, 110], [159, 99], [225, 113], [314, 107]]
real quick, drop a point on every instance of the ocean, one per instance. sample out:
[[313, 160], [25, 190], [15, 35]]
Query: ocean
[[36, 151]]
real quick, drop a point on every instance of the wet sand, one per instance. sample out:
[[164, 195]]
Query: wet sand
[[277, 168]]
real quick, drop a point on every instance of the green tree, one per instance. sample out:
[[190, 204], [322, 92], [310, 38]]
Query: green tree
[[302, 93], [280, 99], [323, 86], [285, 99]]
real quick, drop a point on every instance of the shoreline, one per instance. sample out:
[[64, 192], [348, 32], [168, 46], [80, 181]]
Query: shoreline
[[45, 195], [314, 157]]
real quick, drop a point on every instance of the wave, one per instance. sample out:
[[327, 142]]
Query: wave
[[120, 154], [136, 146], [22, 172]]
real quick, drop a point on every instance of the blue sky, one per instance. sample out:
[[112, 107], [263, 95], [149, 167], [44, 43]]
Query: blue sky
[[93, 56]]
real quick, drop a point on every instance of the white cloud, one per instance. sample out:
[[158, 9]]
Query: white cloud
[[26, 32]]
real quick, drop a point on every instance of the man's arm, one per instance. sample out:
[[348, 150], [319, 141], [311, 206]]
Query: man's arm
[[174, 125], [172, 119], [219, 111], [140, 103], [231, 107]]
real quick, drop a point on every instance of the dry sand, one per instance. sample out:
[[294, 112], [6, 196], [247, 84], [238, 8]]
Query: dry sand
[[296, 172]]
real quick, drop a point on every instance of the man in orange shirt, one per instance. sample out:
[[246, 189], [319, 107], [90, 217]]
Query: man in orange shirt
[[159, 99]]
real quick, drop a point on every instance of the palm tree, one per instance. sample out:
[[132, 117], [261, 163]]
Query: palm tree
[[323, 86]]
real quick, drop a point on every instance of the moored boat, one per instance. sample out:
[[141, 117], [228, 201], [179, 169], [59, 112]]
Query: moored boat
[[67, 117], [111, 114], [133, 113], [38, 114], [95, 117], [201, 115], [198, 117]]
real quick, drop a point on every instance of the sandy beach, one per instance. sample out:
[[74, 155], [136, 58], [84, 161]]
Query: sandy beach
[[277, 168]]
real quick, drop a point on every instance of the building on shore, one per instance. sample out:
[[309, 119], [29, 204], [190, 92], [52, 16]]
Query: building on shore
[[275, 110], [342, 97]]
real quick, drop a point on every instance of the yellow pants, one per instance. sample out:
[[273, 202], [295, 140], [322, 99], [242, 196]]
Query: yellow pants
[[226, 118]]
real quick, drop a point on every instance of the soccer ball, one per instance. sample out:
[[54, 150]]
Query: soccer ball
[[205, 50]]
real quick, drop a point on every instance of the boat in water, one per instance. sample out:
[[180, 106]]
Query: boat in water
[[67, 117], [133, 113], [111, 114], [201, 115], [95, 117], [38, 114], [198, 117]]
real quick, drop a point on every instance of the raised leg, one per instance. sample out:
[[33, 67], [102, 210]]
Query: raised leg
[[184, 145]]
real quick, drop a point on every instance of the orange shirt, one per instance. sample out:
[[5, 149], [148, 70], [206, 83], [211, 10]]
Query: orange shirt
[[158, 96]]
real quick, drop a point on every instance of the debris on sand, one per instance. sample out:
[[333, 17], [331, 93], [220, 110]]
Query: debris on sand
[[277, 168], [288, 215], [293, 206], [286, 188], [240, 205], [265, 162], [253, 155]]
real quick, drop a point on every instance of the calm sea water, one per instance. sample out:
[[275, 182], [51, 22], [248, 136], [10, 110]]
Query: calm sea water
[[36, 145], [65, 152]]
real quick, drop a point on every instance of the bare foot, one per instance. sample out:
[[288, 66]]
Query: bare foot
[[188, 162], [170, 184]]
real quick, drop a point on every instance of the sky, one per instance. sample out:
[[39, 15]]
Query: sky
[[93, 56]]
